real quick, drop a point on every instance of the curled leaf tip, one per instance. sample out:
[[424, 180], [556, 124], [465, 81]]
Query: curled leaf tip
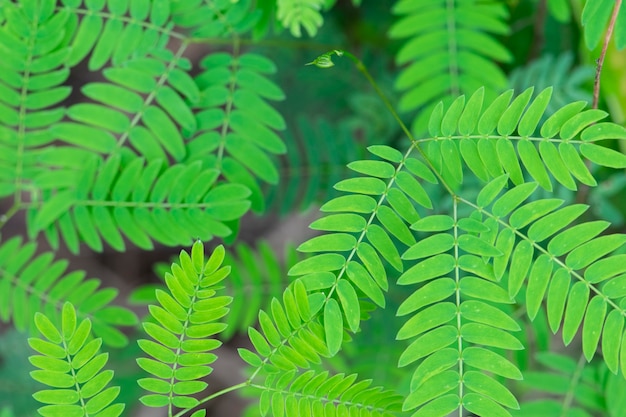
[[324, 60]]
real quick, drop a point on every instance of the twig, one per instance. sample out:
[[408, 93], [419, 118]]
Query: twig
[[605, 46]]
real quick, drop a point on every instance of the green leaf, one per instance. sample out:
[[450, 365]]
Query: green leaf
[[538, 283], [553, 222], [350, 304], [475, 245], [589, 252], [520, 264], [534, 112], [364, 281], [429, 246], [512, 199], [430, 268], [47, 329], [486, 360], [378, 169], [575, 236], [333, 326], [318, 263], [603, 156], [611, 339], [481, 312], [427, 319], [337, 242], [557, 295], [432, 292], [346, 222], [428, 343], [490, 388], [575, 311], [593, 324], [383, 244], [552, 125], [435, 223], [491, 191], [489, 336], [483, 406]]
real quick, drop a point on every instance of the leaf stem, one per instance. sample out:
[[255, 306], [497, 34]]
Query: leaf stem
[[605, 46], [4, 218], [575, 380], [214, 395]]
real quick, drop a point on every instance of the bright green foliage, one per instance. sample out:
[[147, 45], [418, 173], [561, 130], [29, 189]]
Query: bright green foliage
[[465, 232], [187, 315], [466, 258], [32, 283], [319, 394], [449, 50], [69, 362]]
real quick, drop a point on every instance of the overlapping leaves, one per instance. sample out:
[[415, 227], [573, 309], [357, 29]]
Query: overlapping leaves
[[69, 362], [188, 315], [144, 202], [34, 284], [571, 266]]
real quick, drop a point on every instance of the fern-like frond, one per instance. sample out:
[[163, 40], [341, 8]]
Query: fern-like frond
[[32, 283], [493, 138], [298, 14], [70, 364], [236, 124], [595, 18], [578, 388], [448, 49], [364, 226], [568, 83], [31, 87], [187, 316], [144, 201], [320, 394]]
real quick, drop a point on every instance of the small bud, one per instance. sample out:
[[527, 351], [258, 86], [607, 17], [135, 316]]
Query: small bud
[[322, 61]]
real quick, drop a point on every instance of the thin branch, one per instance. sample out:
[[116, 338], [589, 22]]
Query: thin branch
[[605, 46]]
